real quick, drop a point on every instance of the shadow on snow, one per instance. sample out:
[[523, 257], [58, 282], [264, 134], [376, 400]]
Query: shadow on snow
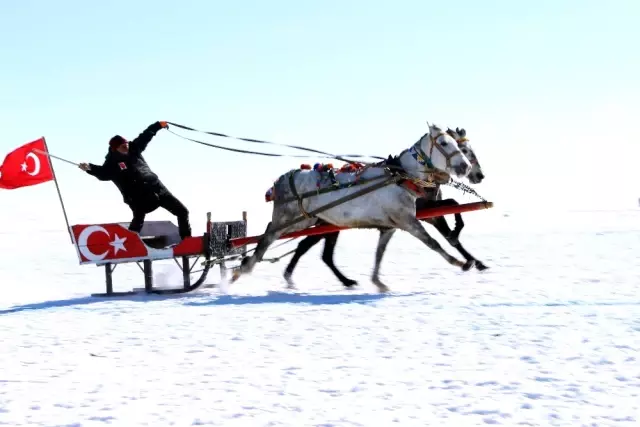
[[80, 301], [295, 298], [213, 300], [274, 297]]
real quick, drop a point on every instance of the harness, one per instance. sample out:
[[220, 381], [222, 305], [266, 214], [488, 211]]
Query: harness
[[393, 172]]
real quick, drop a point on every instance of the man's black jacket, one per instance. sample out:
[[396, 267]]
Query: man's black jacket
[[137, 183]]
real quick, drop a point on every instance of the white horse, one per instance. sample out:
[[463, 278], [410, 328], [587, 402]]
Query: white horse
[[431, 199], [300, 198], [434, 199], [476, 175]]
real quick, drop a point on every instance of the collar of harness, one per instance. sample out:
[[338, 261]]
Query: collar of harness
[[413, 187]]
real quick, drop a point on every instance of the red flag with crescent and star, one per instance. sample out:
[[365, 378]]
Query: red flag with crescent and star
[[24, 167]]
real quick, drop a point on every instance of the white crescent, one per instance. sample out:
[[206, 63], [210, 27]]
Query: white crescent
[[82, 243], [36, 161]]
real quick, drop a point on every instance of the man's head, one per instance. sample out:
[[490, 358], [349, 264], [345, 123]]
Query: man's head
[[118, 143]]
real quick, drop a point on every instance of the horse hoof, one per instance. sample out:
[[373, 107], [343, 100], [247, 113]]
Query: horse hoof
[[381, 286], [480, 266], [468, 265], [287, 278], [236, 275], [349, 283]]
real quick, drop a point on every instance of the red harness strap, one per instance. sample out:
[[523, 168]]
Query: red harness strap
[[411, 186]]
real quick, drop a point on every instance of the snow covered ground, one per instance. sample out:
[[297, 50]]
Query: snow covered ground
[[549, 336]]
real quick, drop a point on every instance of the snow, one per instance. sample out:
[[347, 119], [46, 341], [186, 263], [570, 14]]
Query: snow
[[549, 336]]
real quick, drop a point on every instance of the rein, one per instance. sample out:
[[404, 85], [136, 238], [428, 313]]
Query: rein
[[436, 178], [322, 154]]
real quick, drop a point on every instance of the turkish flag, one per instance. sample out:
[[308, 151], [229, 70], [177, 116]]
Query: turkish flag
[[24, 167]]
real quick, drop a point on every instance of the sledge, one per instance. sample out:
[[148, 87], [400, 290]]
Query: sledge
[[110, 244]]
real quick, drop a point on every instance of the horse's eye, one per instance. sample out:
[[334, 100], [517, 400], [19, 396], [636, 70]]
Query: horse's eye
[[444, 143], [465, 151]]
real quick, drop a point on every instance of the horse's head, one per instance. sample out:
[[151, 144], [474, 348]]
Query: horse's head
[[438, 151], [460, 135]]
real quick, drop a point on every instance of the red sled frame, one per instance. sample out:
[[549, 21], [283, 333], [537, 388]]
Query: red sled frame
[[222, 242], [112, 244]]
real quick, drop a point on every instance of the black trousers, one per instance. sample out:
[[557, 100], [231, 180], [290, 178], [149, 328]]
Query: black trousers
[[167, 201]]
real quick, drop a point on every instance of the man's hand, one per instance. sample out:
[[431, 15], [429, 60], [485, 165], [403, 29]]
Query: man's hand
[[84, 166], [163, 124]]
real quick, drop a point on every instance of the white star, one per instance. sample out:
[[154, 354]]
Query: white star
[[118, 244], [24, 167]]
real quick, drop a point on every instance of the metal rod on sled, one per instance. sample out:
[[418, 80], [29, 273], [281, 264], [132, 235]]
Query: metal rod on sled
[[330, 228]]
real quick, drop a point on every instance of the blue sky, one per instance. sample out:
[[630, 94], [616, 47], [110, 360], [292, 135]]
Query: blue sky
[[547, 91]]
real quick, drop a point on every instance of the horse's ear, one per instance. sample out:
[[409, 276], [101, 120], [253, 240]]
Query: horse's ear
[[461, 132]]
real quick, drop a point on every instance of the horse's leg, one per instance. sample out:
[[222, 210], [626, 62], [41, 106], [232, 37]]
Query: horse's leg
[[440, 223], [303, 247], [327, 256], [412, 226], [383, 241], [453, 235], [249, 262]]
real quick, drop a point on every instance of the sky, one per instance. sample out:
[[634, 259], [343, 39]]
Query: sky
[[547, 91]]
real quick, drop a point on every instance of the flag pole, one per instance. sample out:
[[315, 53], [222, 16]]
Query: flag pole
[[55, 157], [55, 180]]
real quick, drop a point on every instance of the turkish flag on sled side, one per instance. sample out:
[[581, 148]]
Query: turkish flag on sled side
[[23, 167]]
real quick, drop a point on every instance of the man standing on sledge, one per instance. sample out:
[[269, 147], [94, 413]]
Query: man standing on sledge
[[140, 187]]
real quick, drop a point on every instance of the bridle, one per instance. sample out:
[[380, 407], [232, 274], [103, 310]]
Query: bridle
[[462, 142], [425, 160]]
